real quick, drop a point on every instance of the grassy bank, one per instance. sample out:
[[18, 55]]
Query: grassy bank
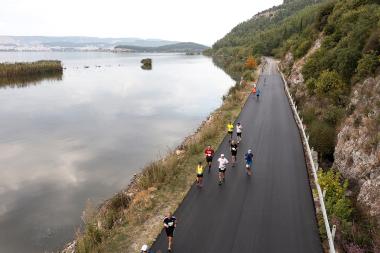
[[22, 72], [134, 216]]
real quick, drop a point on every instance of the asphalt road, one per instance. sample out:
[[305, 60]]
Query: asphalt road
[[272, 211]]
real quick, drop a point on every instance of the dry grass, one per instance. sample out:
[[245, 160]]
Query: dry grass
[[159, 188], [29, 68], [23, 72]]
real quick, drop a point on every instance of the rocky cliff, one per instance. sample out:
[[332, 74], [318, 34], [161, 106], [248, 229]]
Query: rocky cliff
[[357, 149], [357, 152]]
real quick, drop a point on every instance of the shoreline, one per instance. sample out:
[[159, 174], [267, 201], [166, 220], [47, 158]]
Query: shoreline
[[145, 198]]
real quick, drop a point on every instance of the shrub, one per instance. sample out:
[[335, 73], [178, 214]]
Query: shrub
[[308, 115], [331, 85], [250, 63], [338, 206], [322, 137], [367, 66], [248, 75], [321, 60], [333, 114], [311, 85], [346, 62], [323, 14], [302, 49]]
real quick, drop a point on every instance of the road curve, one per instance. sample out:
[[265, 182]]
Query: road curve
[[270, 212]]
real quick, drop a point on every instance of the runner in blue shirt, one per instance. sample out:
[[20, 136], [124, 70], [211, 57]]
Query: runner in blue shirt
[[248, 162]]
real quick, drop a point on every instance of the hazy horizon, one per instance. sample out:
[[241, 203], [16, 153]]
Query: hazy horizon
[[199, 21]]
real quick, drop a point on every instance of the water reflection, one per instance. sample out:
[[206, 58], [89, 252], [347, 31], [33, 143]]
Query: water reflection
[[85, 138], [24, 81], [146, 67]]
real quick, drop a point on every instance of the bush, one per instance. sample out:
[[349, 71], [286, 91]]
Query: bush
[[250, 63], [337, 204], [248, 75], [331, 85], [308, 115], [311, 85], [322, 137], [302, 49], [367, 66], [333, 114], [346, 62], [321, 60]]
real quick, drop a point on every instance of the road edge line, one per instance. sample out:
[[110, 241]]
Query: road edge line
[[309, 158]]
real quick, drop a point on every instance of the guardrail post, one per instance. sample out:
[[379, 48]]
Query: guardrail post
[[333, 232], [314, 170], [324, 194]]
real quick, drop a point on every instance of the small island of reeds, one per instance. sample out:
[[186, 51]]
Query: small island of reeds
[[146, 64], [23, 72]]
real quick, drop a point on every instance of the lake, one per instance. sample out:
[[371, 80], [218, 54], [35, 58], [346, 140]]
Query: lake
[[85, 135]]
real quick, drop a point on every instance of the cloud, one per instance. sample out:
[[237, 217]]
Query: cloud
[[198, 20]]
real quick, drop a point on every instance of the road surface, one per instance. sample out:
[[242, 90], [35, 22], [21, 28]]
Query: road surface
[[270, 212]]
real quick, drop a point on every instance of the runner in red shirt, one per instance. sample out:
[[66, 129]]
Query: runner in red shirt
[[209, 153]]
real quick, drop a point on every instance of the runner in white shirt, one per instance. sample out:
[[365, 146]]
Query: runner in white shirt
[[239, 130], [222, 168]]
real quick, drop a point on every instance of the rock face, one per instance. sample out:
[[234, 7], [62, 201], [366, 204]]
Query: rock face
[[357, 152], [294, 69]]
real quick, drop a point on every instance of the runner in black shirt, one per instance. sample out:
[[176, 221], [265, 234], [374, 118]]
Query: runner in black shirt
[[170, 222], [233, 149]]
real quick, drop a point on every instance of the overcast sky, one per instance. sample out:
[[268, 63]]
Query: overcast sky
[[202, 21]]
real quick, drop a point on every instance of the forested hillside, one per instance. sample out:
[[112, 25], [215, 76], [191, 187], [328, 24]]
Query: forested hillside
[[331, 50]]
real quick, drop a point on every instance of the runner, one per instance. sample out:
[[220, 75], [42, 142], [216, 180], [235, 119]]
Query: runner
[[254, 90], [200, 174], [170, 223], [209, 153], [239, 129], [144, 249], [248, 162], [258, 94], [222, 168], [230, 129], [233, 148]]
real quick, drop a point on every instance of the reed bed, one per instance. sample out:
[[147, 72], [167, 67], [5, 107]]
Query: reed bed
[[21, 74], [18, 69]]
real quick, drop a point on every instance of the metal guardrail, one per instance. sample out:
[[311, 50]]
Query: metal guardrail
[[309, 156]]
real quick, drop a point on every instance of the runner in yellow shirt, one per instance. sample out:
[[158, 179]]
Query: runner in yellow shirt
[[230, 129], [199, 171]]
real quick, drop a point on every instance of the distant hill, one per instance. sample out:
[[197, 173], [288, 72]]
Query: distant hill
[[47, 43], [181, 47]]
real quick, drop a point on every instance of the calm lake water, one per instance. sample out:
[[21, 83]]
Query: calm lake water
[[63, 142]]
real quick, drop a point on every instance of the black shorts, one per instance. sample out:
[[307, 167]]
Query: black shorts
[[238, 134], [230, 132], [222, 170], [169, 232], [209, 159], [233, 153], [199, 175]]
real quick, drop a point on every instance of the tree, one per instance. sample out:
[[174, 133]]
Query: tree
[[250, 63]]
